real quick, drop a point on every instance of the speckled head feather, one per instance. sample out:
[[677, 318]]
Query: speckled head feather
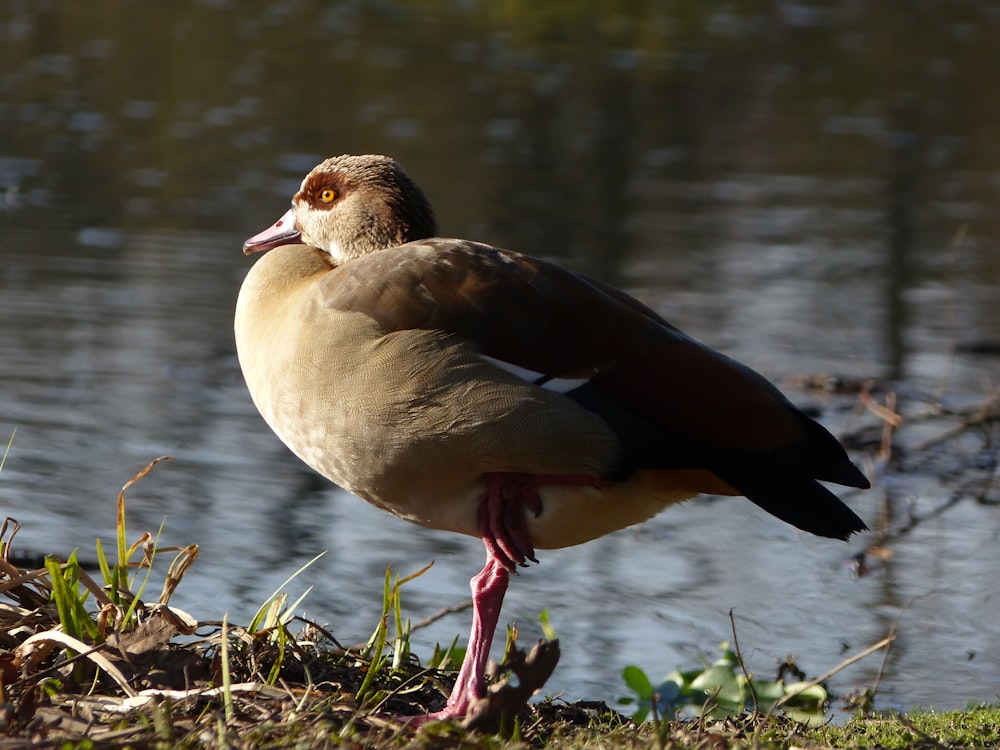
[[379, 206]]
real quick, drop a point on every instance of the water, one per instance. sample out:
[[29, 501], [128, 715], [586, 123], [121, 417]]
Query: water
[[811, 188]]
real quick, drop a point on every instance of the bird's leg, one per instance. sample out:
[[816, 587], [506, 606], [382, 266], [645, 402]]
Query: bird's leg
[[488, 589], [501, 526], [505, 500]]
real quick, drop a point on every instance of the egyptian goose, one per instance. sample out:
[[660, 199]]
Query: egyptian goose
[[465, 387]]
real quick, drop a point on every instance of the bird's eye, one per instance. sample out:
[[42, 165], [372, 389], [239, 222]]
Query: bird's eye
[[328, 195]]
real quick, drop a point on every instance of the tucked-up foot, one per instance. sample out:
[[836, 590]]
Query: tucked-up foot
[[505, 501]]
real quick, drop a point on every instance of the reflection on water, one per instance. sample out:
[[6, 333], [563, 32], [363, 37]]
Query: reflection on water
[[811, 187]]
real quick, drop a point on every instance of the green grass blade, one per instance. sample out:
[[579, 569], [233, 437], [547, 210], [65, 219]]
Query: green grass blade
[[102, 561], [136, 596], [263, 609], [61, 596], [376, 644]]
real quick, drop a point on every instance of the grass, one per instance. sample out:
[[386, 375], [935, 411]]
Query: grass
[[88, 664]]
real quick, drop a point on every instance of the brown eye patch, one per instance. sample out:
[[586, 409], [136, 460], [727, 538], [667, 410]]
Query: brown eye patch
[[322, 190]]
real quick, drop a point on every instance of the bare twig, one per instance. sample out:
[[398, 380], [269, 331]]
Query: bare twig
[[987, 411], [743, 666], [843, 665], [443, 612]]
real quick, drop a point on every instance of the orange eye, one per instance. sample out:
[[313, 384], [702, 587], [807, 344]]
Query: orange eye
[[328, 195]]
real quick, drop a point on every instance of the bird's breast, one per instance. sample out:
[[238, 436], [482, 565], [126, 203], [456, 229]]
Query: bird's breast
[[408, 420]]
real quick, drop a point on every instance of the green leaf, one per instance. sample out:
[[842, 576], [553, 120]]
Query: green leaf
[[686, 677], [547, 630], [813, 696], [767, 692], [721, 682], [637, 680]]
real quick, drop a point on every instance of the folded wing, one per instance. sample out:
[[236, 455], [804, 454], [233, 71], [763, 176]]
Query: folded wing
[[673, 403]]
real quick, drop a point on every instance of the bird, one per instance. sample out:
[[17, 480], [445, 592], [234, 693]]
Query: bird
[[465, 387]]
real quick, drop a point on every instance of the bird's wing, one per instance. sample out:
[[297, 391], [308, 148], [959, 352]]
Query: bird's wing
[[673, 402]]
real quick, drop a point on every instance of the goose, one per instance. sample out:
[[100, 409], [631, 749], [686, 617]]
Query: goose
[[474, 389]]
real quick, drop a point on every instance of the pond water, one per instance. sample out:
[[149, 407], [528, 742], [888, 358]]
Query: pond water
[[810, 187]]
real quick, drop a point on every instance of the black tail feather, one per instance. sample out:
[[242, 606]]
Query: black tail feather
[[802, 502]]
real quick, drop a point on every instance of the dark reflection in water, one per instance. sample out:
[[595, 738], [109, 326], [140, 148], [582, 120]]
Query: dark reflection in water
[[812, 187]]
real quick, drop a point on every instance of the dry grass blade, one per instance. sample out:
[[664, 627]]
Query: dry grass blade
[[123, 554], [100, 596], [8, 531], [28, 650], [180, 565], [227, 692], [10, 442], [17, 577], [148, 698], [28, 589]]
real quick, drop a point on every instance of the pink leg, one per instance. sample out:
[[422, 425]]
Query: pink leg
[[488, 589], [505, 500]]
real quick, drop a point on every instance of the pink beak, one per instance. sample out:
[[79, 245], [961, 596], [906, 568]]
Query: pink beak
[[282, 232]]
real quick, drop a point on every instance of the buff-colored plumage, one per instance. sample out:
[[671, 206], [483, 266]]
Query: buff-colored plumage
[[473, 389]]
